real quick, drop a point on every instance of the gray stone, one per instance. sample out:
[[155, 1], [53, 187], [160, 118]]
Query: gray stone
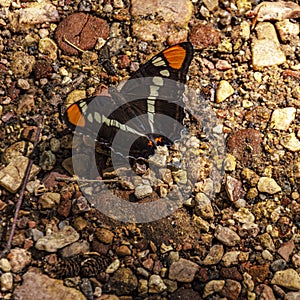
[[203, 207], [143, 191]]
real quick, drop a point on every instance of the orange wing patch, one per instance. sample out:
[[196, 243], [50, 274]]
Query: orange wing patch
[[175, 56], [75, 116]]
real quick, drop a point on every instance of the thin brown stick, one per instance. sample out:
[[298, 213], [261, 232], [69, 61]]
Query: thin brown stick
[[20, 200]]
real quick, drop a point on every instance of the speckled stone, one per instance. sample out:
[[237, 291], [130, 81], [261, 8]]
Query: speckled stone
[[40, 286], [38, 13], [12, 175], [268, 185], [289, 279], [172, 18], [51, 243], [123, 282], [287, 30], [214, 256], [19, 259], [183, 270], [156, 284], [291, 142], [226, 236], [213, 286]]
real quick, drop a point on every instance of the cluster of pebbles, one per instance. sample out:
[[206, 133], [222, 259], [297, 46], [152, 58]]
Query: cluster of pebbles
[[236, 236]]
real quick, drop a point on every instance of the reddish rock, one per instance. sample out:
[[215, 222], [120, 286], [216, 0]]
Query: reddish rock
[[64, 208], [286, 250], [203, 36], [13, 92], [223, 65], [100, 247], [81, 30], [245, 144], [123, 61], [291, 73], [231, 273], [148, 264], [259, 273]]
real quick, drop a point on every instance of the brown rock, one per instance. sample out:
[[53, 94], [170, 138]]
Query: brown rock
[[42, 69], [259, 273], [123, 250], [185, 294], [264, 292], [231, 290], [203, 36], [64, 208], [82, 30], [29, 133], [231, 273], [245, 144], [123, 282], [104, 235]]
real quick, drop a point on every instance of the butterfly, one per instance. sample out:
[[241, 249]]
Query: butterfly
[[146, 112]]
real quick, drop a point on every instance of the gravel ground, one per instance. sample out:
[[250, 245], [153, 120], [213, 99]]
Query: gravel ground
[[236, 236]]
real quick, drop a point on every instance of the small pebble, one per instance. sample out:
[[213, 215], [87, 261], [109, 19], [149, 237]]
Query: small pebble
[[291, 142], [5, 265], [19, 259], [156, 284], [226, 236], [268, 185], [224, 91], [282, 118], [143, 191], [6, 282]]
